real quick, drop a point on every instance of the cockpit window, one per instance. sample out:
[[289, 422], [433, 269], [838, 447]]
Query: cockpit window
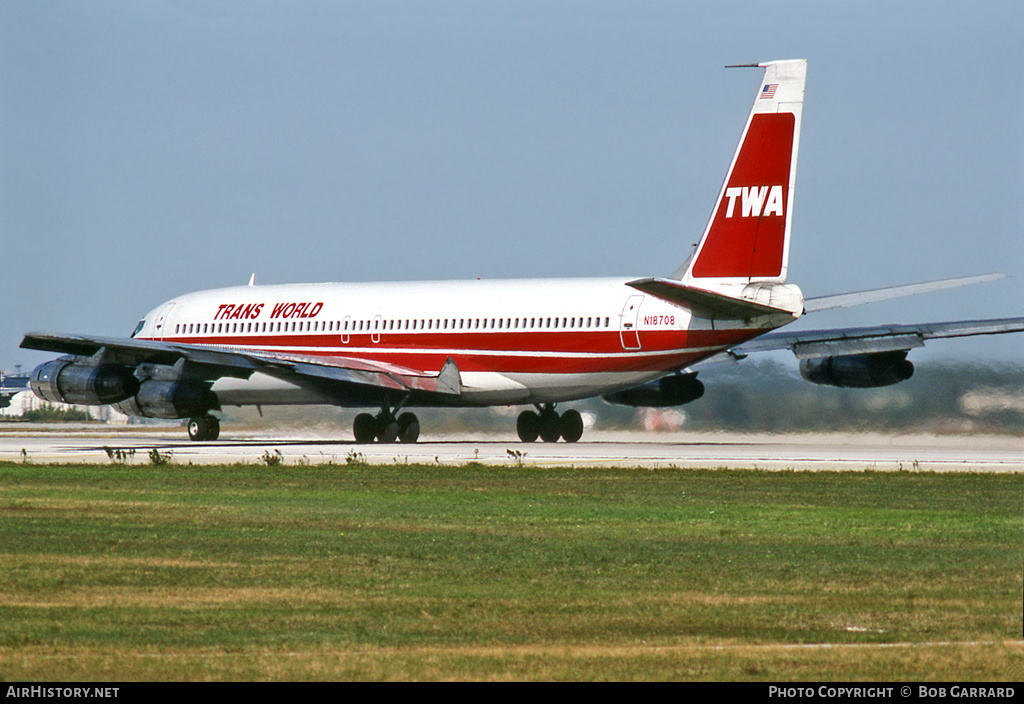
[[138, 328]]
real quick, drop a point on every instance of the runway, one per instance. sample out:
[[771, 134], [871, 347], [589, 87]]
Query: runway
[[834, 451]]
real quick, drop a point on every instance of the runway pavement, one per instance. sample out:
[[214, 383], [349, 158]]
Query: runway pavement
[[852, 452]]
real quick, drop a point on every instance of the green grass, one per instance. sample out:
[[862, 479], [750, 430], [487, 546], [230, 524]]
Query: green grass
[[422, 572]]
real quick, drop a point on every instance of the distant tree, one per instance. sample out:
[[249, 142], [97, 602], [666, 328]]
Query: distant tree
[[51, 414]]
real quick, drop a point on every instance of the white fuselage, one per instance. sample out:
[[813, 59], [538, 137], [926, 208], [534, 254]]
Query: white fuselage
[[514, 341]]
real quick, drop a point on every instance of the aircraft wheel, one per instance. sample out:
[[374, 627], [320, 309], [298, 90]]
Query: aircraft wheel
[[571, 424], [197, 429], [212, 428], [387, 431], [203, 428], [364, 428], [408, 427], [550, 426], [528, 426]]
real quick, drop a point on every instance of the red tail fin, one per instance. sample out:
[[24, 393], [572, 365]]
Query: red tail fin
[[748, 234]]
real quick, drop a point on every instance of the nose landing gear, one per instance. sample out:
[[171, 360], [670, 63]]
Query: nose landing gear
[[203, 428]]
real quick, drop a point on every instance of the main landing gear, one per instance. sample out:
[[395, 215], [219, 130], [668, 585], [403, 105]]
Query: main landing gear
[[203, 428], [549, 426], [386, 428]]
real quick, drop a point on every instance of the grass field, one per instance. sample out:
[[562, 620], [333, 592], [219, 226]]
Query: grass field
[[120, 572]]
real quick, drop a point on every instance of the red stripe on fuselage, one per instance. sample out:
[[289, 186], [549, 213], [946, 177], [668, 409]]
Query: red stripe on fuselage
[[498, 351]]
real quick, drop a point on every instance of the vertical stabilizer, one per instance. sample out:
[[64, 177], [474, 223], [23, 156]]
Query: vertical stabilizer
[[747, 237]]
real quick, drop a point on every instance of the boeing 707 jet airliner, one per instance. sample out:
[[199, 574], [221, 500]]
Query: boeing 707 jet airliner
[[537, 343]]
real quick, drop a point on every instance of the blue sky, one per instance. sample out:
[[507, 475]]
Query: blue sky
[[155, 148]]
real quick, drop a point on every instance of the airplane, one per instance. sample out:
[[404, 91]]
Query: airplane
[[638, 341], [10, 386]]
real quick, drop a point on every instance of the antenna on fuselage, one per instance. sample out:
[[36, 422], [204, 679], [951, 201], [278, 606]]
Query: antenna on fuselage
[[252, 279]]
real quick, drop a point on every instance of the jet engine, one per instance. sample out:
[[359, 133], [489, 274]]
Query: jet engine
[[158, 398], [858, 371], [674, 390], [68, 381]]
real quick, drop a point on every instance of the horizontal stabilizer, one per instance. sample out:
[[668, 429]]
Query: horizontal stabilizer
[[813, 305], [719, 304]]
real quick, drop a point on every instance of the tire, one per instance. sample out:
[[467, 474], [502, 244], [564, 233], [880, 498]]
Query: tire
[[528, 426], [550, 426], [197, 429], [571, 424], [387, 431], [408, 428], [202, 428], [212, 428], [364, 428]]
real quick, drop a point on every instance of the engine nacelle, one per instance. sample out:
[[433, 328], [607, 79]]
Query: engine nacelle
[[674, 390], [858, 371], [158, 398], [67, 381]]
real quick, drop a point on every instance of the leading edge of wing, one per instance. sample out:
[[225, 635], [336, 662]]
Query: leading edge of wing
[[819, 303], [883, 338], [226, 361]]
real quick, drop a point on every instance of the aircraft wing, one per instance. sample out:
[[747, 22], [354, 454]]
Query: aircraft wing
[[211, 363], [809, 344]]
